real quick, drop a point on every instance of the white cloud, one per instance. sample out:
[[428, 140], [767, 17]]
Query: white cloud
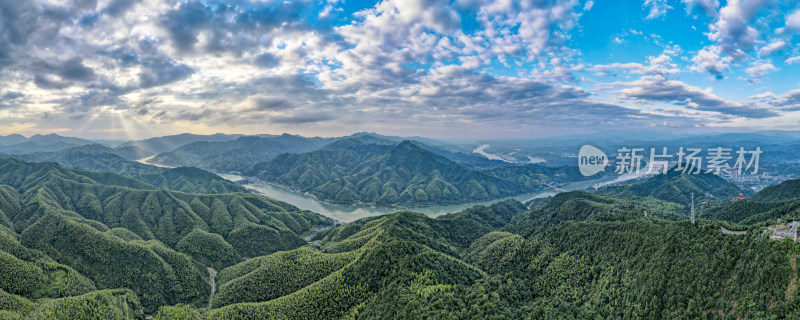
[[662, 90], [709, 60], [793, 21], [732, 31], [760, 69], [657, 8], [658, 65], [771, 48], [708, 6], [792, 60], [766, 96]]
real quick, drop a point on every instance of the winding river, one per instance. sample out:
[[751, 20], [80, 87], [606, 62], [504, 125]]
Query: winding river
[[351, 213]]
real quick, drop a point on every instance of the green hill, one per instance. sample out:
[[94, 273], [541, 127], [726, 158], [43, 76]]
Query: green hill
[[675, 186], [103, 159], [67, 231], [351, 171], [81, 244], [781, 201], [238, 154], [581, 256]]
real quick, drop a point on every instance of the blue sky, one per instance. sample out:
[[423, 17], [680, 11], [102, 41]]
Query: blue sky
[[451, 69]]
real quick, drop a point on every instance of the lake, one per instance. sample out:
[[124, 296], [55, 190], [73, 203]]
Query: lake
[[352, 213]]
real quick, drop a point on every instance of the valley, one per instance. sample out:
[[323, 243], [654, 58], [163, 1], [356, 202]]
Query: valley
[[99, 226]]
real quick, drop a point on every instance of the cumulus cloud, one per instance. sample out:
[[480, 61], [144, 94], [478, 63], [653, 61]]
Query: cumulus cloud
[[661, 65], [771, 48], [661, 89], [709, 60], [425, 63], [793, 21], [758, 70], [732, 30], [790, 101]]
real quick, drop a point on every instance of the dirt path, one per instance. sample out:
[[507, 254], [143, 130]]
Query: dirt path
[[212, 274], [792, 287]]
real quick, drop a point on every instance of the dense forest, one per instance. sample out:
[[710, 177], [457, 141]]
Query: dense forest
[[100, 158], [80, 244], [353, 171]]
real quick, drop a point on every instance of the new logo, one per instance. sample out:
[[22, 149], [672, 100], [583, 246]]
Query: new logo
[[591, 160]]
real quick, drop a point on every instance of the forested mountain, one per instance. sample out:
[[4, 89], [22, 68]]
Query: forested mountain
[[376, 171], [167, 143], [677, 186], [780, 201], [594, 257], [104, 159], [236, 155], [93, 157], [78, 243], [66, 232], [17, 144], [350, 171]]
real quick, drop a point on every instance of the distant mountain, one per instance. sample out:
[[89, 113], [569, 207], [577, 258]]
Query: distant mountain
[[17, 144], [353, 171], [93, 157], [676, 186], [466, 159], [239, 154], [100, 158], [168, 143], [12, 139]]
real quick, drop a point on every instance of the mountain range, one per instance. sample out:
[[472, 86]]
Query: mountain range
[[359, 171], [85, 244]]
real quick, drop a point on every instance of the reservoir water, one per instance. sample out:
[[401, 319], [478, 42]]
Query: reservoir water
[[352, 213]]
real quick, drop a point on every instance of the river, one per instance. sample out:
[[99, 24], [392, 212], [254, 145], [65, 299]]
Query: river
[[349, 213]]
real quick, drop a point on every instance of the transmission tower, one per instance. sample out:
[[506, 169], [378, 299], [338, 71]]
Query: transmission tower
[[692, 217]]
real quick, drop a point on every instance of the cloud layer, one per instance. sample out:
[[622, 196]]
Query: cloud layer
[[121, 69]]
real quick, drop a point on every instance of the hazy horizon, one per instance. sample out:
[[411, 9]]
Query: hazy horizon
[[634, 135]]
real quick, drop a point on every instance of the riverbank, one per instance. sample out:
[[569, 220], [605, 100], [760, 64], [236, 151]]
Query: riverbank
[[351, 213]]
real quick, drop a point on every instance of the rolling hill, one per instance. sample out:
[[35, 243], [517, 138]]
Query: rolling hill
[[379, 172], [350, 171], [167, 143], [85, 244], [238, 154], [676, 186], [66, 232], [104, 159]]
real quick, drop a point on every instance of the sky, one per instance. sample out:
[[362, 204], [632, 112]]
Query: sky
[[129, 69]]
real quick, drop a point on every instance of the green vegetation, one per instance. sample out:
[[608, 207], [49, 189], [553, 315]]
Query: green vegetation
[[675, 186], [103, 159], [775, 202], [352, 171], [190, 180], [76, 244], [238, 154], [177, 312], [68, 232]]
